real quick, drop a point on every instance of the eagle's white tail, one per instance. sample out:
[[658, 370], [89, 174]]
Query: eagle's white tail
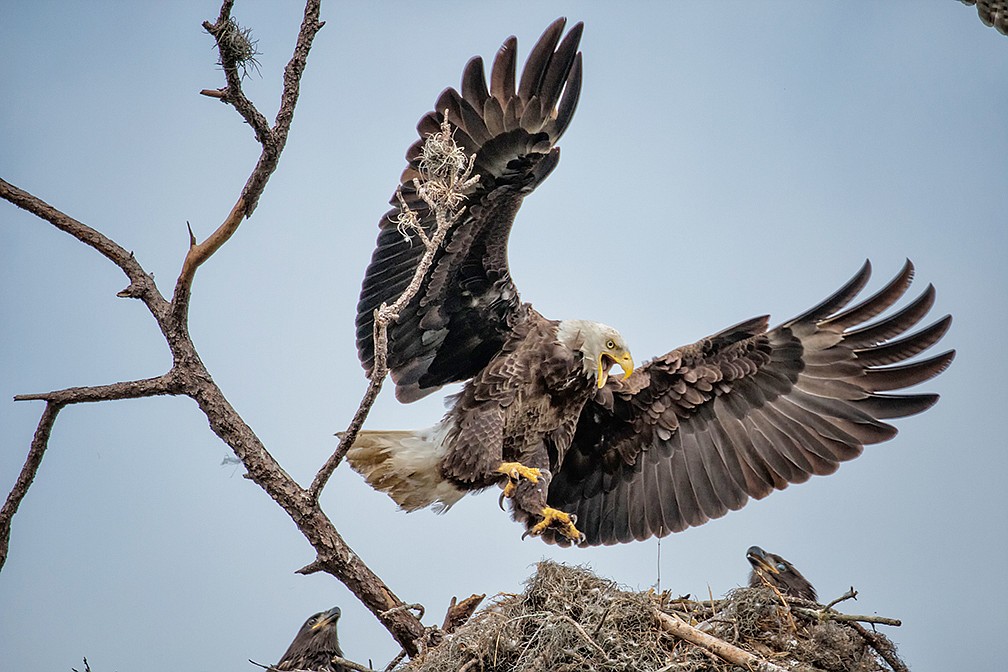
[[404, 464]]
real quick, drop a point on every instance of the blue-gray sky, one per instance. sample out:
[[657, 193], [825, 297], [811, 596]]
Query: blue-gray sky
[[726, 160]]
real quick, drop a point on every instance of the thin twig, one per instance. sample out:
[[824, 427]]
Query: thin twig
[[221, 31], [272, 140], [395, 661], [38, 447], [443, 189], [141, 284], [132, 389], [851, 594], [349, 664], [588, 638]]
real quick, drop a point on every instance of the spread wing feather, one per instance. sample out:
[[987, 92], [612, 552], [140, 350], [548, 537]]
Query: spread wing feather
[[699, 431], [468, 304]]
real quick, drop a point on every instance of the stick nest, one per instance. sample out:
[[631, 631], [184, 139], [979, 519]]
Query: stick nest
[[570, 619]]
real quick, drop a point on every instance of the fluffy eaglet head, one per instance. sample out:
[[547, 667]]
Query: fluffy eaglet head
[[601, 345]]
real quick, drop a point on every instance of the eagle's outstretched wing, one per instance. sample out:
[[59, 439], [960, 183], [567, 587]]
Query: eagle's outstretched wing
[[697, 432], [467, 304]]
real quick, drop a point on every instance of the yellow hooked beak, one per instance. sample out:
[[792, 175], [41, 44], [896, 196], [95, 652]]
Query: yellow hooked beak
[[606, 361]]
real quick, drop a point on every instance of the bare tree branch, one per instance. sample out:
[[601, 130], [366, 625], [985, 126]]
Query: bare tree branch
[[231, 45], [272, 140], [133, 389], [141, 284], [38, 447], [188, 375]]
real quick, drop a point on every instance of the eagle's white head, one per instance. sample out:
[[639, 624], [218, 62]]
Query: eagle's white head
[[601, 345]]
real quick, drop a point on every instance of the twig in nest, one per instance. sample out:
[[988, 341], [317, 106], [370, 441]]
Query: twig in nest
[[881, 645], [846, 618], [851, 594], [395, 661], [783, 601], [349, 664]]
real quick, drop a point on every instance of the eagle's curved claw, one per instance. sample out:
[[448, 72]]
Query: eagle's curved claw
[[563, 522], [516, 471]]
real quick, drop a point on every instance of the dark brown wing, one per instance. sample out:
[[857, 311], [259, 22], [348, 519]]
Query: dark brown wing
[[993, 13], [696, 433], [468, 304]]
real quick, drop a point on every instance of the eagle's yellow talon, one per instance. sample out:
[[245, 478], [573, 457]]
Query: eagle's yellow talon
[[516, 470], [509, 489], [564, 522]]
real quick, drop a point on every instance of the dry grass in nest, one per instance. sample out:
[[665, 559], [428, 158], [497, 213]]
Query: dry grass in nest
[[570, 619]]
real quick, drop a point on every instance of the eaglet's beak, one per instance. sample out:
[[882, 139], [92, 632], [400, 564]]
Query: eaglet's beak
[[757, 558], [327, 618], [621, 358]]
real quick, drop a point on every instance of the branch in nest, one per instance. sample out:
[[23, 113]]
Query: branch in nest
[[881, 645], [821, 615], [679, 628], [460, 612], [339, 661]]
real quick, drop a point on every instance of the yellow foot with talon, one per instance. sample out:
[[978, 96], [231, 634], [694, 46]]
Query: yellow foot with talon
[[516, 471], [564, 522]]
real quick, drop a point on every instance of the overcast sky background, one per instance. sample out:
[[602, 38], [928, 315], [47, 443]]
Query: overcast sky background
[[726, 160]]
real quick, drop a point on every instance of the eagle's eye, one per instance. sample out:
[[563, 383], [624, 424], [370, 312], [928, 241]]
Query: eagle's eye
[[781, 566], [610, 344]]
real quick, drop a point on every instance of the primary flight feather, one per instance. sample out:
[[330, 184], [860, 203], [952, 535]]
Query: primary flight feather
[[581, 456]]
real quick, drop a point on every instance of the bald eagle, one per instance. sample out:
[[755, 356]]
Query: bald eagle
[[584, 457]]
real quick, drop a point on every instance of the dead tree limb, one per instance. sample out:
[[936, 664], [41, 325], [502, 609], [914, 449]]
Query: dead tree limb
[[38, 447], [188, 376]]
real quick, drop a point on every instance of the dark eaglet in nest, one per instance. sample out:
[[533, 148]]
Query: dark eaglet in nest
[[314, 645], [583, 457], [773, 570]]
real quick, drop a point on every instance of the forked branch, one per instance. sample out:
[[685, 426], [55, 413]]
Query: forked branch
[[188, 376]]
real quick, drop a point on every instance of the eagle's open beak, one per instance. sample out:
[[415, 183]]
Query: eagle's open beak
[[757, 558], [606, 361]]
